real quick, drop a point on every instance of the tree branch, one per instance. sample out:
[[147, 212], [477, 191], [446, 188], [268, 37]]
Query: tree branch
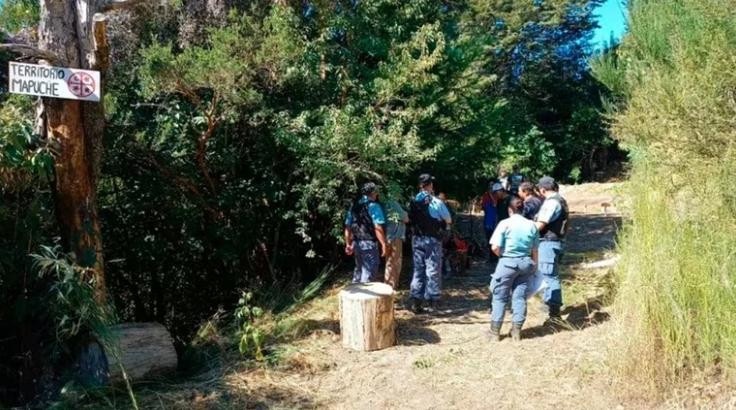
[[29, 51]]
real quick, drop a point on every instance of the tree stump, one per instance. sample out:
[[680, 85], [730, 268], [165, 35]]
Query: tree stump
[[367, 316], [145, 350]]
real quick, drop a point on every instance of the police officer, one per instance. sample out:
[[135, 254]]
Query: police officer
[[515, 240], [552, 224], [364, 232], [429, 217]]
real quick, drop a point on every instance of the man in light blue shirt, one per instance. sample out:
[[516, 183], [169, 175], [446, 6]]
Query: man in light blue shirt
[[429, 218], [363, 233], [515, 240]]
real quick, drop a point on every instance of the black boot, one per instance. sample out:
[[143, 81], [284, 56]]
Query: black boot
[[516, 331], [496, 331], [415, 305], [554, 316]]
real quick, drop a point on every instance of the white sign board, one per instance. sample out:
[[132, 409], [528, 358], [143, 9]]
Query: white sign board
[[54, 82]]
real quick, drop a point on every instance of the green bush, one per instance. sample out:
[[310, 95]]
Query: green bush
[[674, 79]]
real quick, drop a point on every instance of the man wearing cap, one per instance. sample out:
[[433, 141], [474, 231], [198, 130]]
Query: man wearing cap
[[429, 218], [364, 233], [552, 224]]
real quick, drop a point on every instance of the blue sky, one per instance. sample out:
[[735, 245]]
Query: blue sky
[[612, 19]]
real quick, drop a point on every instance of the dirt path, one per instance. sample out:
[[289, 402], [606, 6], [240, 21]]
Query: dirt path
[[445, 361]]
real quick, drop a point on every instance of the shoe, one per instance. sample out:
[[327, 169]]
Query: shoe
[[516, 331], [433, 306], [495, 333], [415, 305]]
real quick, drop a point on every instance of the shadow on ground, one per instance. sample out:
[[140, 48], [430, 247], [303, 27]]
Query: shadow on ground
[[576, 317]]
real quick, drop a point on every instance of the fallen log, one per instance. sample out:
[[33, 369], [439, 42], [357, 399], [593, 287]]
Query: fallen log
[[367, 316], [146, 350]]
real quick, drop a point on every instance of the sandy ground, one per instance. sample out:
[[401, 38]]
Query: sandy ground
[[446, 361]]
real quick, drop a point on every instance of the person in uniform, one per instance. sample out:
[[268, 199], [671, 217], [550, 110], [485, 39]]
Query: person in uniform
[[552, 224], [515, 241], [364, 233], [429, 218], [396, 218], [532, 201]]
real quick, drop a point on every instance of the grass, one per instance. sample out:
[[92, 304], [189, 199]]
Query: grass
[[673, 82]]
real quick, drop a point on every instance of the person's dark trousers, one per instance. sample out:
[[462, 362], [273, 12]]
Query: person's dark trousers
[[367, 262], [550, 253], [426, 283]]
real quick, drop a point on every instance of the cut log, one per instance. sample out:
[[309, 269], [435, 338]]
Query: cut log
[[146, 350], [367, 316]]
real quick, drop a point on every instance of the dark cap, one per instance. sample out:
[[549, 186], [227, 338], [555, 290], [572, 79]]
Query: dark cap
[[425, 179], [547, 183], [368, 188]]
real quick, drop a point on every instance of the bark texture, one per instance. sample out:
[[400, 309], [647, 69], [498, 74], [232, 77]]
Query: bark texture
[[146, 350], [66, 29], [367, 316]]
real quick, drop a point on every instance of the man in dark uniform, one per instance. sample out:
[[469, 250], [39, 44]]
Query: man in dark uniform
[[552, 224], [429, 219], [364, 232]]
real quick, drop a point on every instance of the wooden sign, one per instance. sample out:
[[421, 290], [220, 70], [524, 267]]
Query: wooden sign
[[54, 82]]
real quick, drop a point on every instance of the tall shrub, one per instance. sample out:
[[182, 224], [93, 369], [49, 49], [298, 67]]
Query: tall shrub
[[674, 82]]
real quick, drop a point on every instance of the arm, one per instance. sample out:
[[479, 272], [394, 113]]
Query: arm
[[497, 250], [348, 241], [540, 225], [381, 235], [535, 256]]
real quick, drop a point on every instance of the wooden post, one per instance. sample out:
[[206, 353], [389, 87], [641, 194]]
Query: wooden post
[[367, 316]]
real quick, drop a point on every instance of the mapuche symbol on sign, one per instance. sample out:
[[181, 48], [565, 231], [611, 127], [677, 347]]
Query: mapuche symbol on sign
[[81, 84]]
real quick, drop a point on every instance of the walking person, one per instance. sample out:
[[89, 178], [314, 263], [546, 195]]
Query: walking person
[[429, 218], [515, 240], [552, 224], [364, 234], [532, 201], [396, 220]]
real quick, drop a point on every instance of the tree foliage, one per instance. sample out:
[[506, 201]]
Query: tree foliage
[[235, 137]]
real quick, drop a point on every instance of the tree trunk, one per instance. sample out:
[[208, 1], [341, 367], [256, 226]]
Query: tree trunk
[[367, 316], [66, 29]]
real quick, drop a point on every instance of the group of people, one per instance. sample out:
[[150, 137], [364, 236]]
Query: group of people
[[525, 226]]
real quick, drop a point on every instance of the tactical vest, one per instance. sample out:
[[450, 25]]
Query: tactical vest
[[362, 227], [556, 229], [422, 223]]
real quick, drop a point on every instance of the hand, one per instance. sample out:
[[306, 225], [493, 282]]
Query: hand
[[349, 249]]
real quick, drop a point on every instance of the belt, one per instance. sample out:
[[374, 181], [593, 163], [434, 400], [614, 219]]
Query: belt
[[515, 257]]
